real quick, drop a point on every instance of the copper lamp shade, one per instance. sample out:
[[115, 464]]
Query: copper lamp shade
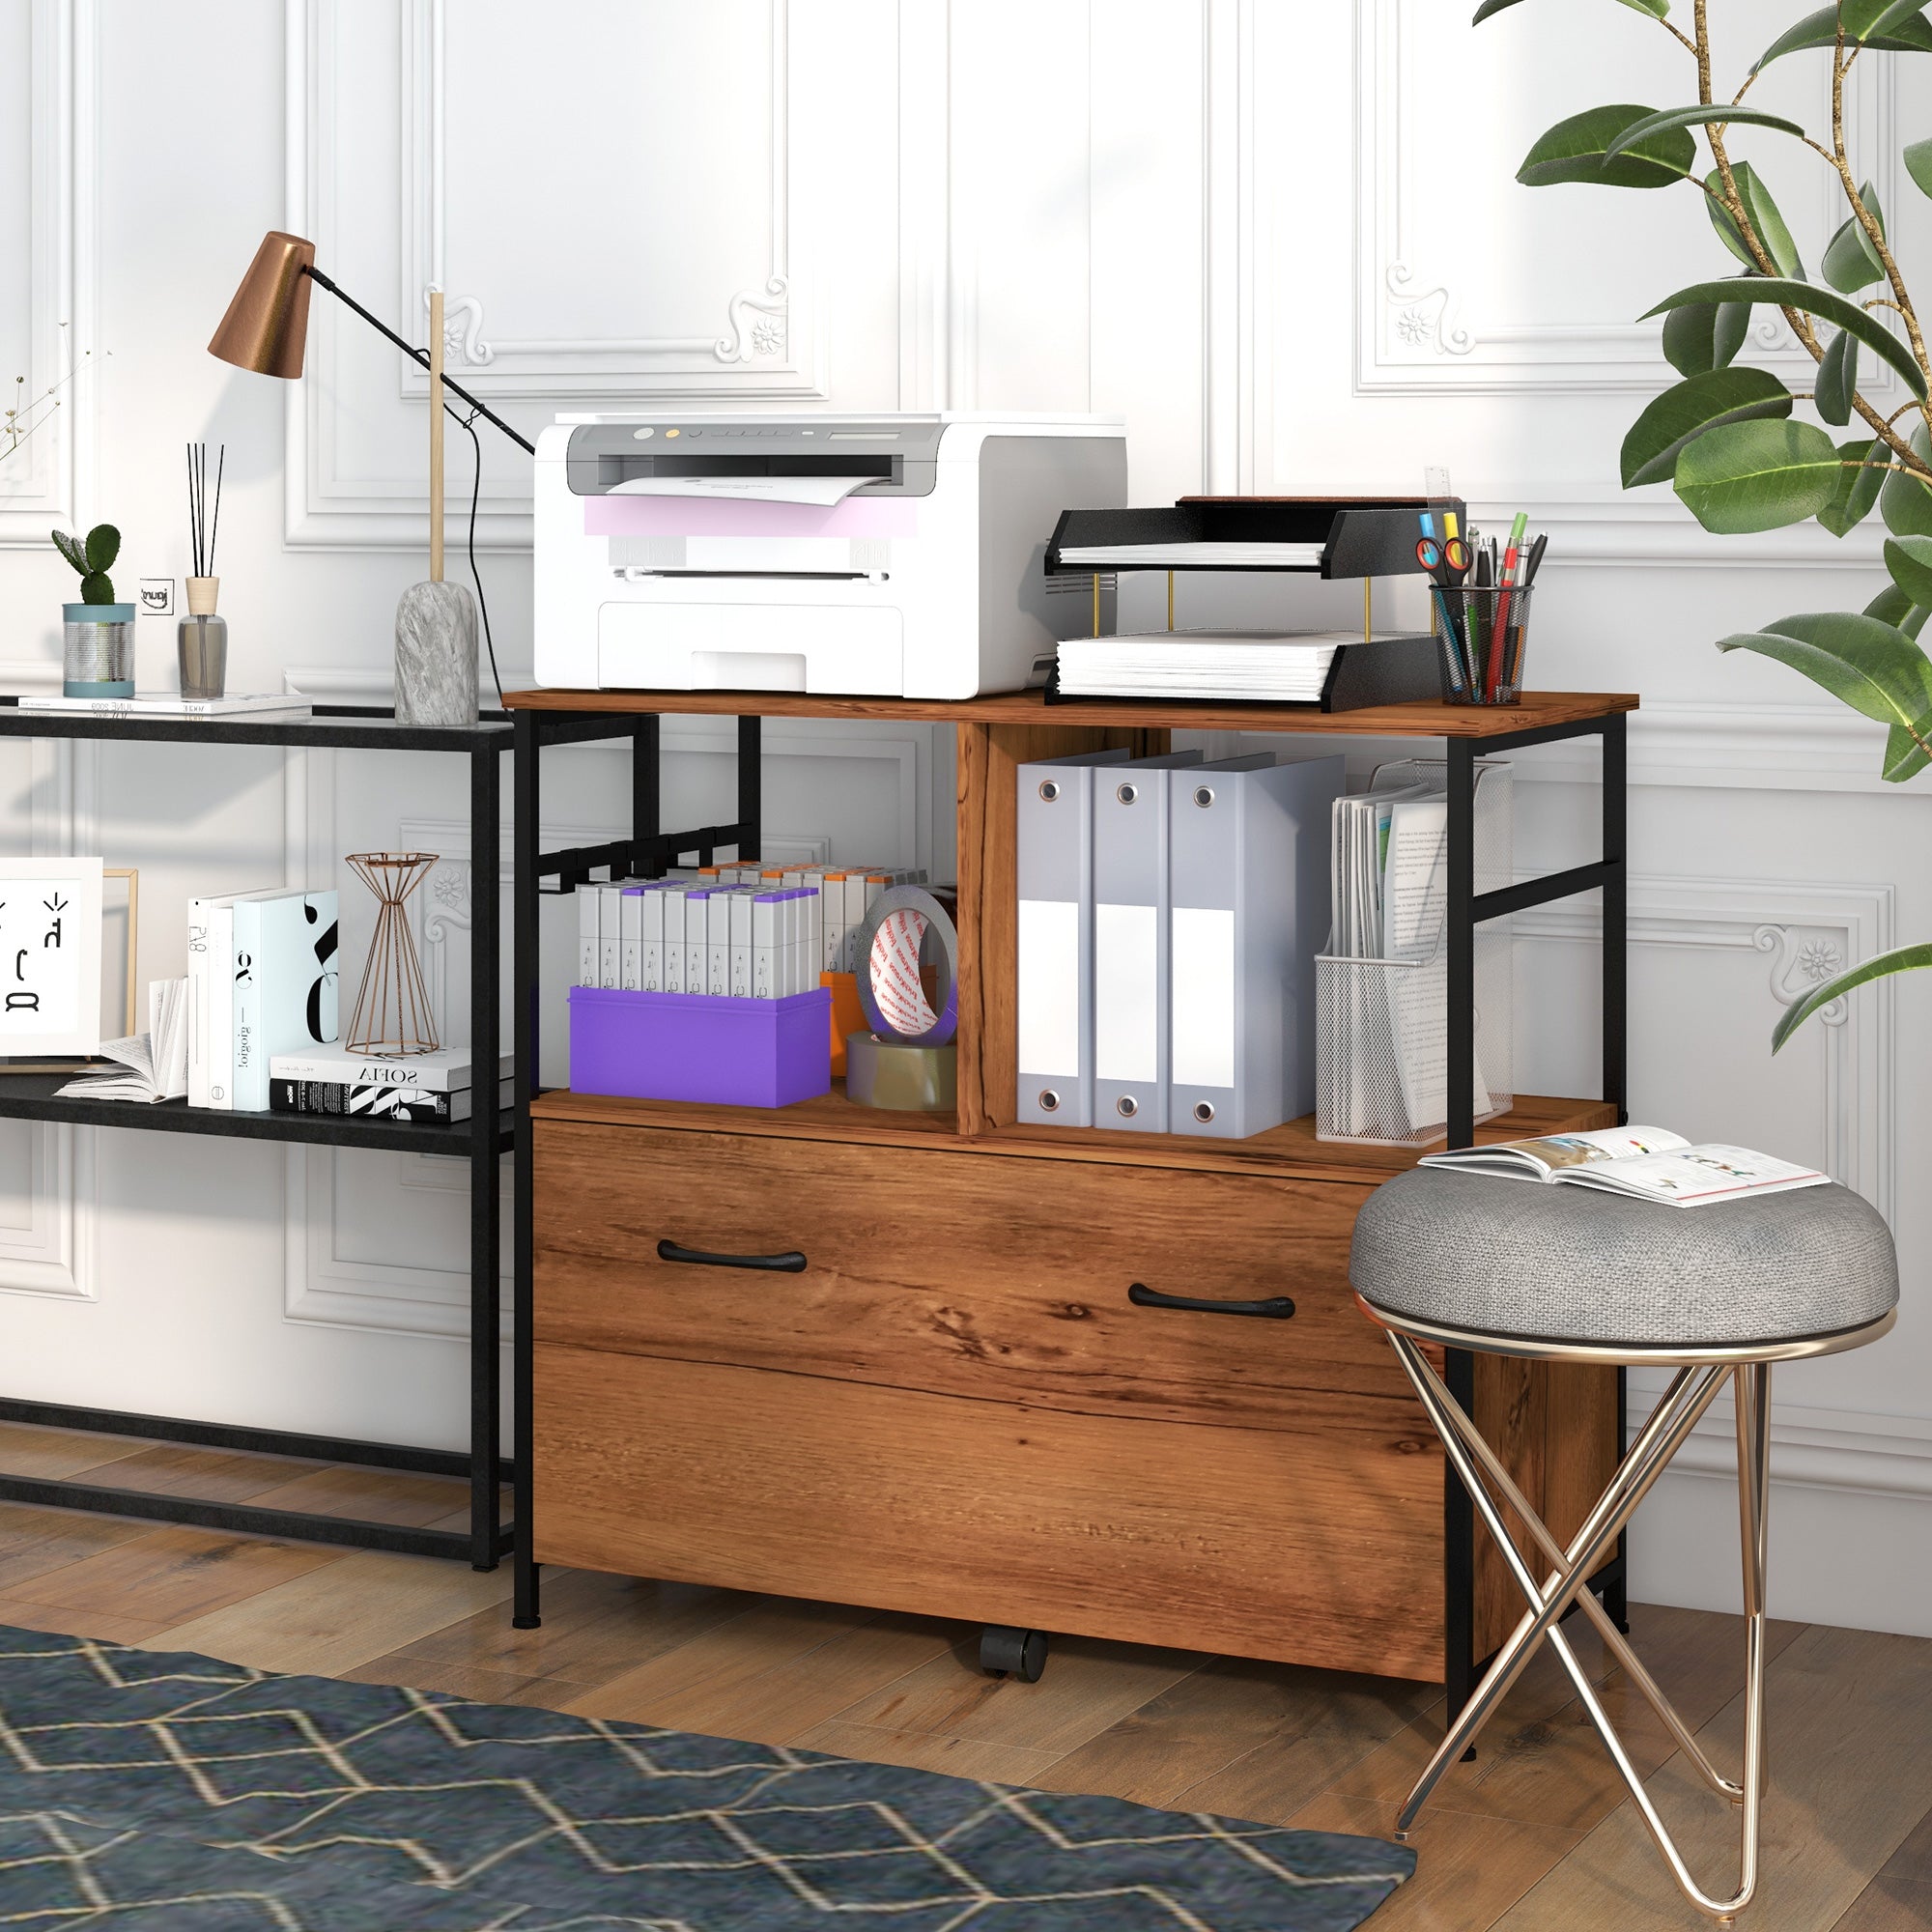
[[267, 325]]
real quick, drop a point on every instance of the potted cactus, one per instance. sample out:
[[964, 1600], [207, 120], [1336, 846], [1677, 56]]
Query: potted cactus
[[97, 634]]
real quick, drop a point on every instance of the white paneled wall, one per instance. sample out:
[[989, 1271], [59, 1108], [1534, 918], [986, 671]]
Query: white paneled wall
[[1283, 241]]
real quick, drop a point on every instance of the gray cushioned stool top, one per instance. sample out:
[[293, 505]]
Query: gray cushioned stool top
[[1511, 1258]]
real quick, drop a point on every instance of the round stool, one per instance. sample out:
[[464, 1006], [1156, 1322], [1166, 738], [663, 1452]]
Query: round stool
[[1570, 1274]]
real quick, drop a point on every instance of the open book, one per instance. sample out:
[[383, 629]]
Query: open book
[[1646, 1163], [155, 1063]]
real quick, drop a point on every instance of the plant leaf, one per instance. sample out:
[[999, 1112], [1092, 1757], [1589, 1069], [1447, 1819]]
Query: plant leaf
[[69, 548], [1813, 301], [1889, 26], [104, 545], [1837, 379], [1717, 116], [1745, 476], [1765, 219], [1907, 563], [1859, 478], [1891, 606], [1870, 665], [1689, 409], [1574, 151], [96, 587], [1904, 756], [1907, 502], [1900, 959], [1702, 336], [1851, 262], [1919, 164]]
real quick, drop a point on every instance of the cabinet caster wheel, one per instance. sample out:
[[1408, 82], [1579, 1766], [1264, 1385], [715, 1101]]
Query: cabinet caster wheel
[[1007, 1651]]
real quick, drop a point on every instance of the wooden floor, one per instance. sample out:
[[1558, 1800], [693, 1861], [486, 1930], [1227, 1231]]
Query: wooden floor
[[1531, 1838]]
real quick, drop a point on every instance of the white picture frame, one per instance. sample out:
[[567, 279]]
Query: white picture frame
[[50, 958]]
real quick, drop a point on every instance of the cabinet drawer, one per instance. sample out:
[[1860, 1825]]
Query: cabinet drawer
[[1256, 1542], [981, 1275]]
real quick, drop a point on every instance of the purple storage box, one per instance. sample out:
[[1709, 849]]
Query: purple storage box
[[697, 1046]]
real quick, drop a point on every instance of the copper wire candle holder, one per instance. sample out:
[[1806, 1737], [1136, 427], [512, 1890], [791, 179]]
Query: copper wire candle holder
[[392, 1016]]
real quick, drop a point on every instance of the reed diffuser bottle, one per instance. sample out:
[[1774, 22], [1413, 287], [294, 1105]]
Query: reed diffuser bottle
[[200, 640]]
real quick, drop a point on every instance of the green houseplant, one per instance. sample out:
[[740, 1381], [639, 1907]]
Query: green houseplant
[[97, 634], [1725, 435]]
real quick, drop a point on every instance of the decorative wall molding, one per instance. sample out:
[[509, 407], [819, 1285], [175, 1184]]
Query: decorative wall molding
[[1651, 529], [1779, 748], [52, 476], [1886, 1456], [1797, 927], [758, 348], [1234, 403], [1421, 332], [762, 342]]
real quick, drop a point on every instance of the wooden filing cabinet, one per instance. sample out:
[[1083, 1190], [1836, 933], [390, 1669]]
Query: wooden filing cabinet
[[953, 1408], [952, 1405]]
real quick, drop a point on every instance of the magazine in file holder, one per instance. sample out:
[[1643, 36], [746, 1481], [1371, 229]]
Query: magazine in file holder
[[1381, 1024]]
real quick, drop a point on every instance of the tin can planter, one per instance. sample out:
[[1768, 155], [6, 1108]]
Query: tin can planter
[[98, 650]]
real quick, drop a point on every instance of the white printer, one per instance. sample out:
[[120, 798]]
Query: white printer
[[900, 555]]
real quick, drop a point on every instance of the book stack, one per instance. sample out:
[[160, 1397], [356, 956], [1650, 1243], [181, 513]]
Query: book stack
[[262, 981], [424, 1087]]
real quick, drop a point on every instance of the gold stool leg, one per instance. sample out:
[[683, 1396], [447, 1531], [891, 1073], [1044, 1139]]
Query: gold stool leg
[[1658, 1442], [1659, 1439], [1614, 1640]]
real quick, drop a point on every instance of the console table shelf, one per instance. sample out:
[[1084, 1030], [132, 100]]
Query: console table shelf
[[480, 1142], [958, 1395]]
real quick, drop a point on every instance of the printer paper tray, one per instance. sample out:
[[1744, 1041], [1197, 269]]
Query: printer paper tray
[[665, 646]]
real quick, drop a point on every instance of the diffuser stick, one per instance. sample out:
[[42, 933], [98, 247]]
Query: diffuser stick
[[215, 527]]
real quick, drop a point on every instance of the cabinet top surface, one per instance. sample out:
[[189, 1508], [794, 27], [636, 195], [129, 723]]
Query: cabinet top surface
[[1431, 720]]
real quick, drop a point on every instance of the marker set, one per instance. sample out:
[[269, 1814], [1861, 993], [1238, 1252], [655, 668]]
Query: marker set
[[1479, 595]]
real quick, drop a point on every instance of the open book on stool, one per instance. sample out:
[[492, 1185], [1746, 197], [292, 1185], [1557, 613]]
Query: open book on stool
[[1644, 1163]]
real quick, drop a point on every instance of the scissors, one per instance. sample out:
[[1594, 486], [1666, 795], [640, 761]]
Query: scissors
[[1446, 560]]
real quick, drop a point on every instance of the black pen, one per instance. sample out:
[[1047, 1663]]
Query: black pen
[[1536, 550]]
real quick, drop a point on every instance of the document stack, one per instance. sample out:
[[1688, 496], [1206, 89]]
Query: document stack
[[1169, 909], [1383, 984]]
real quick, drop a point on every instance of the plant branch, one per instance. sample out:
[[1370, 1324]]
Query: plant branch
[[1733, 205], [1874, 231]]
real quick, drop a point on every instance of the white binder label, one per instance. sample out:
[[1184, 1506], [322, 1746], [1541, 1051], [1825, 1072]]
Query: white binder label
[[1126, 1020], [1049, 988], [1203, 969]]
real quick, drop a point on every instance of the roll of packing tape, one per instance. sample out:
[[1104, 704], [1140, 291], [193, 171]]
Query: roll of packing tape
[[891, 944]]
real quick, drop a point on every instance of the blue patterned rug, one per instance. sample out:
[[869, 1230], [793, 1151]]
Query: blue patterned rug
[[144, 1791]]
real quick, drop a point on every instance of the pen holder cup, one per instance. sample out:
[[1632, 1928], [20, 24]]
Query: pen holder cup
[[1382, 1045], [1481, 637], [701, 1047]]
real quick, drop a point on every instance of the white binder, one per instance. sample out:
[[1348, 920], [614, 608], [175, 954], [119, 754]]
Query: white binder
[[1131, 943], [1248, 859], [1054, 872]]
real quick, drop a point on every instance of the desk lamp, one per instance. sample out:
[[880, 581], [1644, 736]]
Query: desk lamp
[[265, 329]]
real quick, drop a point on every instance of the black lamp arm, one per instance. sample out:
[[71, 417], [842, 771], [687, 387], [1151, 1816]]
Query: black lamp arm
[[416, 355]]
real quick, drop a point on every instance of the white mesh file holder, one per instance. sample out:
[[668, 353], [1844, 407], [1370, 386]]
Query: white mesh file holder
[[1381, 1025]]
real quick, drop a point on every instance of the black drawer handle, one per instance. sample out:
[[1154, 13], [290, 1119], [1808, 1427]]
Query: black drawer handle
[[1275, 1308], [787, 1263]]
